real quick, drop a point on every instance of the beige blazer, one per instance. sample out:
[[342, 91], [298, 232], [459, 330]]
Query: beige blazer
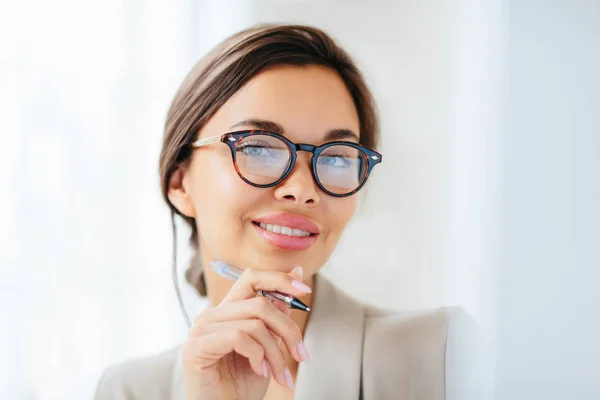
[[357, 352]]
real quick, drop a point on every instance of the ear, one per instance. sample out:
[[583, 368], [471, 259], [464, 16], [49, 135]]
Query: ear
[[178, 196]]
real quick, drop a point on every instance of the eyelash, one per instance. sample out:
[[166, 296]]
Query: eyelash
[[334, 155], [249, 143]]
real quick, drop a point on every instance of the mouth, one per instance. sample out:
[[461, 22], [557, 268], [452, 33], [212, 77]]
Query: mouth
[[287, 231], [283, 230]]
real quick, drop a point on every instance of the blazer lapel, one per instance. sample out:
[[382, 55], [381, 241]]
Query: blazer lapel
[[334, 339]]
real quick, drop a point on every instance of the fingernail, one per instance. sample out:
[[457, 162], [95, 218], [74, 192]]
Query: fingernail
[[265, 369], [288, 378], [303, 352], [301, 286], [298, 271]]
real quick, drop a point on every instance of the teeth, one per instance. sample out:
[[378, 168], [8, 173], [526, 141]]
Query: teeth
[[284, 230]]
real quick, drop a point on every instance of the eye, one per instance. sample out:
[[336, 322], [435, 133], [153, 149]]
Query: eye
[[254, 149], [336, 161]]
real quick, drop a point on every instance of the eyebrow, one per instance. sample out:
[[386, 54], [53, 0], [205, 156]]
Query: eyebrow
[[274, 127]]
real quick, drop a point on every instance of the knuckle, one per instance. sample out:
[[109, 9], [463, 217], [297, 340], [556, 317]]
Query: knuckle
[[195, 331], [202, 317], [249, 274], [256, 326], [237, 336], [198, 326]]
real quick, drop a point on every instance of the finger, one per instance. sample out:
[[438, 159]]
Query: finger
[[297, 275], [253, 280], [281, 306], [203, 352], [255, 308], [262, 335]]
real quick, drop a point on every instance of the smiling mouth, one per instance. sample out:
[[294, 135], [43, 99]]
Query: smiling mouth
[[284, 230]]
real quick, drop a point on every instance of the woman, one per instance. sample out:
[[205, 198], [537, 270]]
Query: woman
[[266, 144]]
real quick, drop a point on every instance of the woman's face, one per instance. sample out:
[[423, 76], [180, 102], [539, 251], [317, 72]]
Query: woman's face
[[307, 103]]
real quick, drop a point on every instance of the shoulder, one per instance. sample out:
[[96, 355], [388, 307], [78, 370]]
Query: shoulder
[[143, 378], [429, 352], [421, 335], [419, 325]]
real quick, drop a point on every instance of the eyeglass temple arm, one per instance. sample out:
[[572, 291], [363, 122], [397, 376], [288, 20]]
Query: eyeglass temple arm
[[205, 141]]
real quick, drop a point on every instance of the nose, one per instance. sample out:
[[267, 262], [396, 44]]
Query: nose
[[299, 187]]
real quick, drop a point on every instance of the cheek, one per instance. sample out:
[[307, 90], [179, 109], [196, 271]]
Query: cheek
[[220, 197], [341, 211]]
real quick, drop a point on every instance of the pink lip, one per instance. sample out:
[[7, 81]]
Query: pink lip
[[290, 220], [293, 221]]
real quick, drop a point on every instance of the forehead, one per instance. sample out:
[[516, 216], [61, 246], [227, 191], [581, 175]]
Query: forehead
[[306, 101]]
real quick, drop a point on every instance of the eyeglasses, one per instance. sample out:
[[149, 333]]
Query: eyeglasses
[[265, 159]]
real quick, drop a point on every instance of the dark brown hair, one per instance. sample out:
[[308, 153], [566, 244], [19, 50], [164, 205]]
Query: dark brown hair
[[222, 72]]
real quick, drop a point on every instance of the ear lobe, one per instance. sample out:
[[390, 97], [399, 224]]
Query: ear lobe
[[178, 196]]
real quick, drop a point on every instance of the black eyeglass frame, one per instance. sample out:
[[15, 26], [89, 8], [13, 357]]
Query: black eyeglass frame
[[232, 138]]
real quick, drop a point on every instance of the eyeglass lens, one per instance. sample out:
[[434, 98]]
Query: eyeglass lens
[[264, 159]]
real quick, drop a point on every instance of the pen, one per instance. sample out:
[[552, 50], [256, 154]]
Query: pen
[[232, 273]]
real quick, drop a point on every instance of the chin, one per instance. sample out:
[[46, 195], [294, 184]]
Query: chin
[[287, 262]]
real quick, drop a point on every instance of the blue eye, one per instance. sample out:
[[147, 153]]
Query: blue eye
[[334, 161], [254, 149]]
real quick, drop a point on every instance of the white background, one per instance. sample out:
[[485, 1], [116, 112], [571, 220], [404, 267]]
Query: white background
[[487, 198], [549, 323]]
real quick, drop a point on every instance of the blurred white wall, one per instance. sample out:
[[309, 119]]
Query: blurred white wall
[[549, 323], [84, 236]]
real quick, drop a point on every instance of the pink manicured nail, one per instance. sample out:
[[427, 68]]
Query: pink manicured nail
[[265, 369], [303, 352], [298, 271], [301, 286], [288, 378]]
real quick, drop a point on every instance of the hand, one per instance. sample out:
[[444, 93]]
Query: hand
[[231, 347]]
